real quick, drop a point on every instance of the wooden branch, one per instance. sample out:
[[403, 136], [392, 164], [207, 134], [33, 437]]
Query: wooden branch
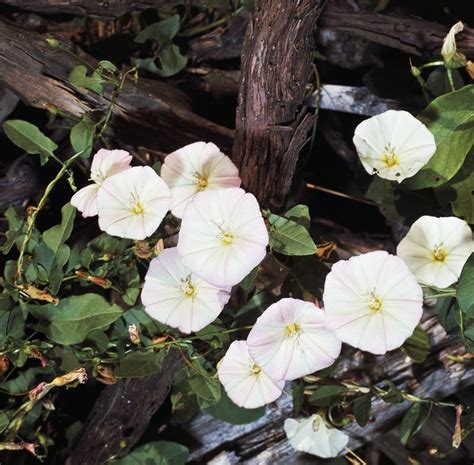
[[264, 440], [276, 65], [122, 413], [150, 114]]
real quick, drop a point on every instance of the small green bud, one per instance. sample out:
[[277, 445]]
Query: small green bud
[[415, 71], [53, 42]]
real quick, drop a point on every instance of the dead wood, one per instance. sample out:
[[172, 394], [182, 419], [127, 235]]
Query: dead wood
[[151, 113]]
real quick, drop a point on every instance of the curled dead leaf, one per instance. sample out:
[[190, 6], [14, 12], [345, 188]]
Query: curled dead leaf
[[105, 374], [38, 294], [325, 250]]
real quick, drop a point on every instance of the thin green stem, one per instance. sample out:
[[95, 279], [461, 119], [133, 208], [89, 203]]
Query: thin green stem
[[213, 25]]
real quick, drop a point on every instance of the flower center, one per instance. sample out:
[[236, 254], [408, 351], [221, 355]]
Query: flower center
[[375, 303], [227, 237], [255, 369], [389, 157], [201, 183], [439, 253], [189, 288], [293, 329], [137, 208], [316, 423]]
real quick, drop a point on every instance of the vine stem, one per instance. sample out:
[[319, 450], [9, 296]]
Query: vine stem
[[34, 215]]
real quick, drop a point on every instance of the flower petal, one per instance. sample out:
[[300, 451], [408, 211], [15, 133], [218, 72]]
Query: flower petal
[[85, 200]]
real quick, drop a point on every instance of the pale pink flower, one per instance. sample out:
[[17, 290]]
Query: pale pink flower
[[194, 168], [104, 164], [133, 203], [290, 340], [372, 301], [223, 236], [246, 384], [173, 295], [436, 249]]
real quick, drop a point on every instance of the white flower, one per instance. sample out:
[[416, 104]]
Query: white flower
[[174, 296], [246, 384], [311, 435], [394, 145], [290, 340], [436, 249], [104, 164], [372, 301], [223, 236], [194, 168], [452, 58], [133, 203]]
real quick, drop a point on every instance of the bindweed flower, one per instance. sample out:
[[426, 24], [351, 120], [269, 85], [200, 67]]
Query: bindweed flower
[[451, 57], [436, 249], [223, 236], [105, 163], [372, 301], [394, 145], [195, 168], [313, 436], [173, 295], [133, 203], [290, 340], [246, 384]]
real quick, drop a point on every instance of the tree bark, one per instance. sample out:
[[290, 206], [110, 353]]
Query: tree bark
[[271, 128], [122, 413], [150, 114]]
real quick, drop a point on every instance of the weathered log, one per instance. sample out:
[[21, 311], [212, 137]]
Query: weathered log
[[271, 128], [264, 441], [150, 114], [122, 413]]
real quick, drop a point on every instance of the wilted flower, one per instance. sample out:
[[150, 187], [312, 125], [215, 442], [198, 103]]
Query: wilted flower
[[194, 168], [246, 384], [133, 203], [104, 164], [453, 59], [313, 436], [436, 249], [372, 301], [173, 295], [78, 375], [394, 145], [133, 334], [290, 340], [223, 236]]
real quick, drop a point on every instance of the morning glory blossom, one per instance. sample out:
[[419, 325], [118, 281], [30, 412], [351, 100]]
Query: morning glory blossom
[[223, 236], [436, 249], [394, 145], [372, 301], [313, 436], [175, 297], [452, 58], [104, 164], [132, 203], [246, 384], [195, 168], [290, 340]]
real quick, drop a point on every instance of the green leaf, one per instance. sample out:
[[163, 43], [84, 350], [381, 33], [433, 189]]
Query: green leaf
[[361, 409], [417, 346], [162, 31], [4, 421], [247, 283], [446, 310], [156, 453], [288, 237], [227, 411], [75, 317], [138, 363], [15, 226], [465, 292], [78, 78], [25, 380], [297, 393], [12, 324], [172, 61], [393, 395], [451, 120], [324, 395], [299, 214], [82, 136], [207, 389], [29, 138], [413, 420]]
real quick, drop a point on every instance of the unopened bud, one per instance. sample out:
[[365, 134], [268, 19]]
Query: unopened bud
[[53, 42]]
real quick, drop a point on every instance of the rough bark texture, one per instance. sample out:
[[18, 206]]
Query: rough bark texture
[[271, 128], [122, 412], [149, 114]]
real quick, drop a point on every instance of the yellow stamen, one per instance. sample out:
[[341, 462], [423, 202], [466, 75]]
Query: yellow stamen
[[375, 304], [255, 369], [227, 238], [292, 329], [201, 183], [439, 254], [189, 288], [390, 160], [137, 208], [316, 423]]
